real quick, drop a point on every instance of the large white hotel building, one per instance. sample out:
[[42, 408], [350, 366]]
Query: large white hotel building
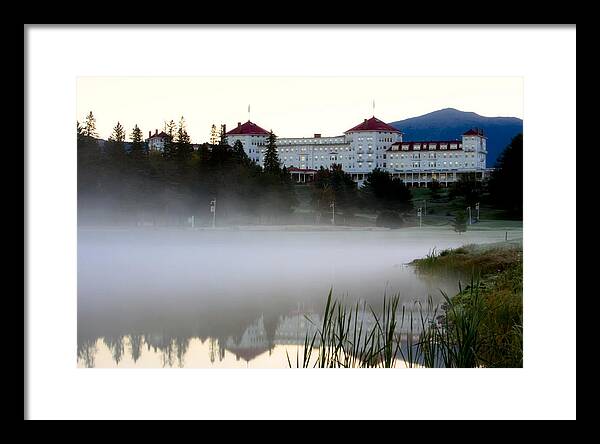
[[369, 145]]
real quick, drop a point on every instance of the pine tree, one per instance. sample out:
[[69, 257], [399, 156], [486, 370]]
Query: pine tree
[[170, 148], [183, 143], [223, 136], [239, 152], [271, 163], [460, 222], [80, 136], [89, 127], [506, 183], [118, 134], [116, 142], [171, 129], [137, 152], [381, 190]]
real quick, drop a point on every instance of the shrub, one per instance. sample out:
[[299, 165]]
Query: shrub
[[389, 219]]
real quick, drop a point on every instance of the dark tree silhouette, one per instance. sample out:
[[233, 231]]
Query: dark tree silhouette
[[380, 190], [460, 222], [506, 183], [137, 151], [271, 163], [89, 127]]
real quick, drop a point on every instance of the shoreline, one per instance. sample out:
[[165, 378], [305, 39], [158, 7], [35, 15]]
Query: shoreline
[[511, 226]]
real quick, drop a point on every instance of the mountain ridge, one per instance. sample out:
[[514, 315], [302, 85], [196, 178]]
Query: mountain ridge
[[451, 123]]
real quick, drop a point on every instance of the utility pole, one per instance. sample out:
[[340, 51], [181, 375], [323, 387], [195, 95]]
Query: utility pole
[[420, 217], [333, 213], [213, 210]]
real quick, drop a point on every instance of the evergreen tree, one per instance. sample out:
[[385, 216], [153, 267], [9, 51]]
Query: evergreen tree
[[239, 152], [171, 129], [118, 134], [89, 163], [183, 143], [467, 188], [271, 163], [89, 127], [506, 183], [434, 189], [137, 151], [170, 148], [116, 143], [334, 185], [223, 136], [380, 190], [460, 222]]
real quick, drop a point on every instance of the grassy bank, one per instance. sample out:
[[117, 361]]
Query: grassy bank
[[477, 260], [481, 326], [494, 298]]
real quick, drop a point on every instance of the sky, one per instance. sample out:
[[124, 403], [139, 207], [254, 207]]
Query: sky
[[290, 106]]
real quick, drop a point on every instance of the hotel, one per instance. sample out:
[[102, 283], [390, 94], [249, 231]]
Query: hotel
[[369, 145]]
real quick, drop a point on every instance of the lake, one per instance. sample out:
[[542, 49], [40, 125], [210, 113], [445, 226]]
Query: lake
[[239, 297]]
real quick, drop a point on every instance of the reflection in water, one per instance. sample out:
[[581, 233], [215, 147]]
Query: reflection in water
[[229, 299], [135, 343], [86, 352], [115, 345], [290, 330]]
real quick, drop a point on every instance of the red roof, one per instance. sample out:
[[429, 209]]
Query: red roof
[[161, 134], [373, 124], [474, 132], [248, 128], [425, 145]]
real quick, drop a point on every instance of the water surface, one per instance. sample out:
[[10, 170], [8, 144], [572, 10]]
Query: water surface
[[237, 298]]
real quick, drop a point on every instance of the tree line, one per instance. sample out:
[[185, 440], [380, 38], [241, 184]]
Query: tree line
[[121, 182]]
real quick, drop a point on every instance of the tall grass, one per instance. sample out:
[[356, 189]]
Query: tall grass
[[448, 335], [345, 339]]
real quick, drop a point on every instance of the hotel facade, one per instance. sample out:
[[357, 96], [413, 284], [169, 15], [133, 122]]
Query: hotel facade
[[369, 145]]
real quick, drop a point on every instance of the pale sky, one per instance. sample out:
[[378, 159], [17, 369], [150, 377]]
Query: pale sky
[[290, 106]]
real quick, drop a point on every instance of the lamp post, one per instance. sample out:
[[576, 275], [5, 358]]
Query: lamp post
[[213, 210], [469, 210], [333, 212]]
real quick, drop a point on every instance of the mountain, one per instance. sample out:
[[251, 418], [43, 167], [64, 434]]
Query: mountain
[[450, 124]]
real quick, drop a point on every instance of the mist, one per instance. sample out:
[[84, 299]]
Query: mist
[[182, 284]]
